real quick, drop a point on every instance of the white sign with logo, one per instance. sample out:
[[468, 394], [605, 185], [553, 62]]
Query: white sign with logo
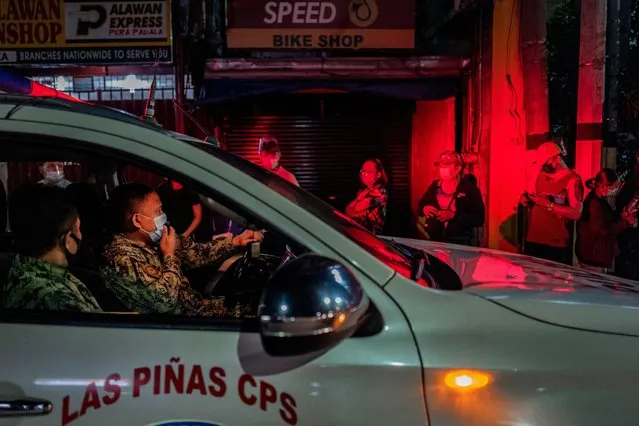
[[109, 21]]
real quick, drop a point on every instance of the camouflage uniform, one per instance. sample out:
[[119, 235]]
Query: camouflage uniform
[[148, 283], [35, 284]]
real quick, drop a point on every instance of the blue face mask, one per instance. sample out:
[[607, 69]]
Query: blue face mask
[[159, 221]]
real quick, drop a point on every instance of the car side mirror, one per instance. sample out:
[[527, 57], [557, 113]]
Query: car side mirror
[[310, 304]]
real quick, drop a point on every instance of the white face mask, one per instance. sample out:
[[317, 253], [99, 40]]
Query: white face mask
[[54, 176], [445, 173], [159, 221]]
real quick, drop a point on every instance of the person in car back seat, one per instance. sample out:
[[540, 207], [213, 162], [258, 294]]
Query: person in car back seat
[[143, 262], [89, 197], [53, 173], [46, 229]]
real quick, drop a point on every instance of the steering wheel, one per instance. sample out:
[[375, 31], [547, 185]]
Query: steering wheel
[[240, 266], [219, 274], [239, 273], [251, 252], [287, 257]]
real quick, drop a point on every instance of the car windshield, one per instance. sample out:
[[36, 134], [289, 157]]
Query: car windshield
[[333, 217]]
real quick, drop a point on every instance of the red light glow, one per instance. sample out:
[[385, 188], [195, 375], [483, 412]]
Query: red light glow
[[42, 91]]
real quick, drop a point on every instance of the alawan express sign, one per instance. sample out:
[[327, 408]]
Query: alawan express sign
[[326, 24], [84, 31]]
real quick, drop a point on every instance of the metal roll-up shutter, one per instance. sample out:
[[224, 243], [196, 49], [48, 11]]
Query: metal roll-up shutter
[[326, 151]]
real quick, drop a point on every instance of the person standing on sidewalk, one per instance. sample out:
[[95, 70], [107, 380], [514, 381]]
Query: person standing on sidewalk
[[556, 203], [600, 226], [270, 156]]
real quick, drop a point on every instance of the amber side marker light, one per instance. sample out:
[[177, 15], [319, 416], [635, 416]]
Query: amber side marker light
[[466, 380]]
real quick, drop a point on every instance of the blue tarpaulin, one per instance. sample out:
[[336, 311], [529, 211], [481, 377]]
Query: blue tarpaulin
[[224, 90]]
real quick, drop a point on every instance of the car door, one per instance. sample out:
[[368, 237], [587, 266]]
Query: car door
[[123, 371], [129, 369]]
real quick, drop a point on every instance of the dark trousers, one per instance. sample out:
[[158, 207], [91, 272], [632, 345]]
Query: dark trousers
[[554, 254]]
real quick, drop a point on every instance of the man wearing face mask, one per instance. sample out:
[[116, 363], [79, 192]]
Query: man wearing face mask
[[53, 173], [145, 259], [270, 155], [47, 235], [452, 206], [557, 201]]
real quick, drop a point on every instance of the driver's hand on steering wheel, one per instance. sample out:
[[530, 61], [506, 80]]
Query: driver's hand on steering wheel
[[247, 237]]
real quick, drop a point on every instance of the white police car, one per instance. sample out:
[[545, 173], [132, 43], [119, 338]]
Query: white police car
[[351, 328]]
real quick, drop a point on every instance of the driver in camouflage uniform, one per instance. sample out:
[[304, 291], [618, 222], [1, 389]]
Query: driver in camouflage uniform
[[144, 260], [47, 236]]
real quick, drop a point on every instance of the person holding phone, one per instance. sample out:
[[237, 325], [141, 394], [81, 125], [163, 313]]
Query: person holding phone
[[452, 206], [600, 224], [555, 204], [369, 206]]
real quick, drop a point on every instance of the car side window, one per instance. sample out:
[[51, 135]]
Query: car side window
[[156, 245]]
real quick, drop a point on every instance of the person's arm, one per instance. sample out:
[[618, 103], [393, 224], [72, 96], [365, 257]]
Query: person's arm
[[146, 288], [476, 213], [194, 255], [70, 295], [293, 180], [378, 199], [575, 201], [428, 206], [359, 205], [164, 290], [197, 219], [598, 225], [426, 200], [421, 227]]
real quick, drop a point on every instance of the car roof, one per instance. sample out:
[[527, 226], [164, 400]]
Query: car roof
[[91, 109]]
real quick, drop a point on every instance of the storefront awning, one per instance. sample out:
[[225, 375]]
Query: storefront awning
[[225, 90], [413, 78]]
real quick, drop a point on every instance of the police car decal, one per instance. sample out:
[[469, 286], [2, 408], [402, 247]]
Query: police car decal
[[179, 378]]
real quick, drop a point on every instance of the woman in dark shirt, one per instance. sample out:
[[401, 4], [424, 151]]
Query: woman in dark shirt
[[452, 206], [599, 226], [369, 206]]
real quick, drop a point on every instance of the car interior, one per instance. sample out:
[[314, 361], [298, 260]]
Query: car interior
[[239, 278]]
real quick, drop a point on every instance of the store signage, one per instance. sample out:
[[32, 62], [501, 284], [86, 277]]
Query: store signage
[[84, 32], [325, 24]]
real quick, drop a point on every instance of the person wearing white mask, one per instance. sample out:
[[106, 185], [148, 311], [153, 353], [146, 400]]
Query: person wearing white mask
[[53, 173], [144, 262], [452, 206]]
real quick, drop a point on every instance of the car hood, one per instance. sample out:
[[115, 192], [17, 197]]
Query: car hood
[[543, 290]]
